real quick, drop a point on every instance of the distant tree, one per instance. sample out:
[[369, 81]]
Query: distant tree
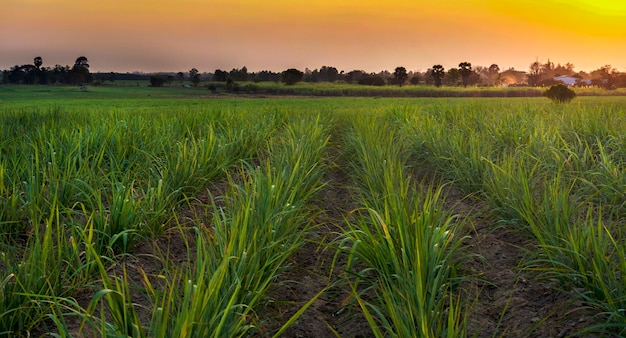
[[437, 72], [231, 86], [328, 74], [80, 71], [400, 75], [194, 76], [452, 77], [534, 75], [354, 76], [465, 69], [548, 70], [567, 69], [560, 94], [239, 74], [38, 61], [620, 80], [493, 74], [220, 75], [16, 74], [157, 80], [181, 77], [415, 80], [266, 75], [372, 80], [607, 75], [82, 61], [243, 74], [30, 74], [292, 76], [112, 77]]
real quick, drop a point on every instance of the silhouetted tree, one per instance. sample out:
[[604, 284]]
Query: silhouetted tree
[[291, 76], [452, 77], [266, 75], [181, 77], [61, 74], [157, 80], [415, 80], [465, 68], [354, 76], [437, 72], [38, 61], [82, 61], [220, 75], [400, 75], [80, 71], [372, 80], [239, 74], [16, 74], [534, 75], [194, 76], [328, 74]]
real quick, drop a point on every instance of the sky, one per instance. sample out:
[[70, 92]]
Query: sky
[[369, 35]]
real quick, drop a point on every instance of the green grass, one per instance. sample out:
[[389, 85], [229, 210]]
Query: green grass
[[85, 177], [401, 244]]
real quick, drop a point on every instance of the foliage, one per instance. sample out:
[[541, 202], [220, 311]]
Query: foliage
[[194, 77], [400, 75], [560, 94], [291, 76], [157, 80], [437, 72], [372, 80], [465, 69]]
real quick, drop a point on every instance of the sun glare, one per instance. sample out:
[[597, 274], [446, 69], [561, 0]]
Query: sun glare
[[608, 8]]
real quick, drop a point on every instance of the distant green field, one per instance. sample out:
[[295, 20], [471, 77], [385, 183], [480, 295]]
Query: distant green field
[[147, 98]]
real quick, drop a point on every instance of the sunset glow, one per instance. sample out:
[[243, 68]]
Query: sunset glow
[[143, 35]]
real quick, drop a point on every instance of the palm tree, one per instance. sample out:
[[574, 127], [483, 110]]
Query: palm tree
[[437, 72], [38, 61], [465, 68], [400, 75]]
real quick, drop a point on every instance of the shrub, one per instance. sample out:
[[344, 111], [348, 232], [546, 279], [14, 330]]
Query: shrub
[[560, 94], [157, 81]]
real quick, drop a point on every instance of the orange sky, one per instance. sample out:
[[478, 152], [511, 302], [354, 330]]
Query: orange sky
[[372, 35]]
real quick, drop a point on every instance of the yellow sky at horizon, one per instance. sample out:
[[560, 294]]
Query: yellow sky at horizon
[[372, 35]]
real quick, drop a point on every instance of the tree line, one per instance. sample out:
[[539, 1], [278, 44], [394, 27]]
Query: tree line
[[36, 74], [538, 75]]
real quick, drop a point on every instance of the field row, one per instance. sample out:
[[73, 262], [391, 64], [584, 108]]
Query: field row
[[79, 192]]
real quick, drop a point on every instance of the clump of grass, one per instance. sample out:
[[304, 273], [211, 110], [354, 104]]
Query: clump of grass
[[262, 221], [400, 246]]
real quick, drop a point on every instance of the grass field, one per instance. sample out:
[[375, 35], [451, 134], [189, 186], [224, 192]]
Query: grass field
[[170, 212]]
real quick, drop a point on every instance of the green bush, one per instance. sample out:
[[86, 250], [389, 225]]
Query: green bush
[[560, 94]]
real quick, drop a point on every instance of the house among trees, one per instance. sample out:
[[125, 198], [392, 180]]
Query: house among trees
[[572, 80]]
